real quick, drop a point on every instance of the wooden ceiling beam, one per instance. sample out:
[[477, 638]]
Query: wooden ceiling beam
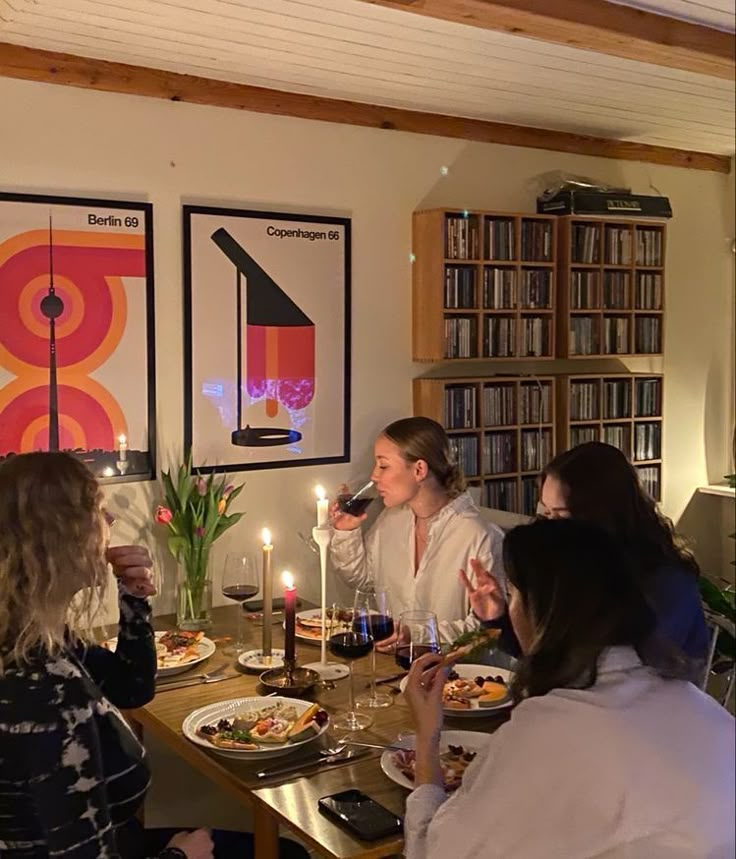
[[31, 64], [592, 25]]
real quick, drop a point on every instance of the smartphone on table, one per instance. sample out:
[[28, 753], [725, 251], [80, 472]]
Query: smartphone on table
[[360, 815]]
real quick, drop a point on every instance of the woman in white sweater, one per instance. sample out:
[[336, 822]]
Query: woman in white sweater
[[429, 530], [603, 757]]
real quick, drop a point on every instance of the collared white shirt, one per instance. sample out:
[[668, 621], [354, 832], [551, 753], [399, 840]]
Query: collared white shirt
[[386, 557], [636, 767]]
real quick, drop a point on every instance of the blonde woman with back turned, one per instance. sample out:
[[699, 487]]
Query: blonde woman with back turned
[[429, 528], [73, 773]]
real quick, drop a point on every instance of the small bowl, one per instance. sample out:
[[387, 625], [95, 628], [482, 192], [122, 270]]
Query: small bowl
[[300, 680]]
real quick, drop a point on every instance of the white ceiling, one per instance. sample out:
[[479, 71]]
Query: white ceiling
[[356, 51], [719, 14]]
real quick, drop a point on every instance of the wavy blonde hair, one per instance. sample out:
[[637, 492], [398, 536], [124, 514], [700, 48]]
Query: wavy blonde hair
[[52, 545]]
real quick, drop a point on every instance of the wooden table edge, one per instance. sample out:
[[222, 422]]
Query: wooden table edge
[[263, 832]]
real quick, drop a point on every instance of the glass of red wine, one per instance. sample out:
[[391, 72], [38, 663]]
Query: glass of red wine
[[418, 634], [355, 497], [372, 614], [240, 582], [351, 645]]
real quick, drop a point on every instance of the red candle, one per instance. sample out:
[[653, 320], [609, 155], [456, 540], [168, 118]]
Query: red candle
[[289, 616]]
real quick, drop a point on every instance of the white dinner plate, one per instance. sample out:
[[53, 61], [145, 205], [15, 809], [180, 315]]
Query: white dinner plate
[[205, 648], [315, 637], [471, 741], [212, 713], [470, 672]]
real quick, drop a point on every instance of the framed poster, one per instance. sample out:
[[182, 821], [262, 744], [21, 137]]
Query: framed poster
[[77, 370], [267, 339]]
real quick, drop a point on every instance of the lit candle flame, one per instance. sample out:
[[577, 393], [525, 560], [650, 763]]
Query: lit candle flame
[[319, 491], [266, 537], [122, 439], [108, 472], [287, 580]]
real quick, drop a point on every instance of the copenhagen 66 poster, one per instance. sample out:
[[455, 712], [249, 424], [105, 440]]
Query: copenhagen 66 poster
[[267, 326], [76, 332]]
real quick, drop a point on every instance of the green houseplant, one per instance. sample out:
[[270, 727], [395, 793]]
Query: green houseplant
[[195, 514]]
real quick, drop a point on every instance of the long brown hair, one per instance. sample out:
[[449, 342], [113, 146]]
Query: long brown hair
[[422, 438], [52, 545], [601, 486], [580, 595]]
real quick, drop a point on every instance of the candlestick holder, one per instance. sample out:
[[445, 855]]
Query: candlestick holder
[[289, 680], [326, 670], [122, 465]]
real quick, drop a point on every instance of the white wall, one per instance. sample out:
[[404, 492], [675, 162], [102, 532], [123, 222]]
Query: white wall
[[63, 140]]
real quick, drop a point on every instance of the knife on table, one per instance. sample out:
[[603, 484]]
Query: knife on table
[[297, 769], [192, 681]]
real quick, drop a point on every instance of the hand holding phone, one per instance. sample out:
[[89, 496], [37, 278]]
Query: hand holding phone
[[360, 815]]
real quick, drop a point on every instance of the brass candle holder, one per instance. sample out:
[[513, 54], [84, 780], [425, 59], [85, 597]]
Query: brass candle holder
[[289, 679]]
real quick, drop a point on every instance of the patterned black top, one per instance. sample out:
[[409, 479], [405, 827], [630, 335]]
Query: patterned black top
[[71, 769]]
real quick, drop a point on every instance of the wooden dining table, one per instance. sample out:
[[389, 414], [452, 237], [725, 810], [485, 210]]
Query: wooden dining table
[[290, 801]]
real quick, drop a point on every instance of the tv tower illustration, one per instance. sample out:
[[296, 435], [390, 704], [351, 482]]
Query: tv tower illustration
[[52, 307]]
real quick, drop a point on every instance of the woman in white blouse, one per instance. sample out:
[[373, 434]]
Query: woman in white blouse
[[603, 756], [429, 528]]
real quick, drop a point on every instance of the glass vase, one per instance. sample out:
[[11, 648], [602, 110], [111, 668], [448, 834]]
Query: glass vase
[[194, 595]]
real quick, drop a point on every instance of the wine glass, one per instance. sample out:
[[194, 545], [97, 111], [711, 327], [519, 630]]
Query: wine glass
[[418, 634], [373, 604], [355, 497], [240, 582], [349, 646]]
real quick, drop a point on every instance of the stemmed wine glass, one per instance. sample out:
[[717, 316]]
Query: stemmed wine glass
[[355, 497], [373, 604], [349, 646], [418, 634], [240, 582]]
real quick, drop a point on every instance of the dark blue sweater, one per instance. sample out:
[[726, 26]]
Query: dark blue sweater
[[672, 593]]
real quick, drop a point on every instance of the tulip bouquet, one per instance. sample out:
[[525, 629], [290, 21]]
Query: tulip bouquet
[[195, 514]]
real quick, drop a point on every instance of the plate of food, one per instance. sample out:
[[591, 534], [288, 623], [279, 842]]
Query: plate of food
[[176, 650], [309, 623], [474, 690], [255, 728], [458, 749]]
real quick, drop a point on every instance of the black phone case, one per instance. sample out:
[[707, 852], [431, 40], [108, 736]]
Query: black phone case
[[371, 822]]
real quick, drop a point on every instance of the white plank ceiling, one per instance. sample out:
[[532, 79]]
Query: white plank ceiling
[[350, 50]]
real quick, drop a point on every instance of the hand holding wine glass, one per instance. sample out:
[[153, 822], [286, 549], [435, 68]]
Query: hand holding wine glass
[[240, 582], [347, 512]]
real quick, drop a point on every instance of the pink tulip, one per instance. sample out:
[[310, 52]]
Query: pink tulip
[[227, 490], [163, 515], [202, 486], [199, 531]]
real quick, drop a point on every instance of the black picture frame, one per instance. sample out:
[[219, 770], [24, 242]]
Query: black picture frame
[[143, 462], [258, 217]]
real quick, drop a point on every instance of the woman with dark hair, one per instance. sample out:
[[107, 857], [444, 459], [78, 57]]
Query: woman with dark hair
[[606, 754], [428, 529], [595, 482]]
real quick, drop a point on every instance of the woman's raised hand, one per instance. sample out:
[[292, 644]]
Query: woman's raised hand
[[344, 521], [132, 566], [485, 595]]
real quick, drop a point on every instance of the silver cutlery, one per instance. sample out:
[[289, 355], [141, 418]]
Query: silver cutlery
[[391, 747], [211, 677], [297, 770]]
